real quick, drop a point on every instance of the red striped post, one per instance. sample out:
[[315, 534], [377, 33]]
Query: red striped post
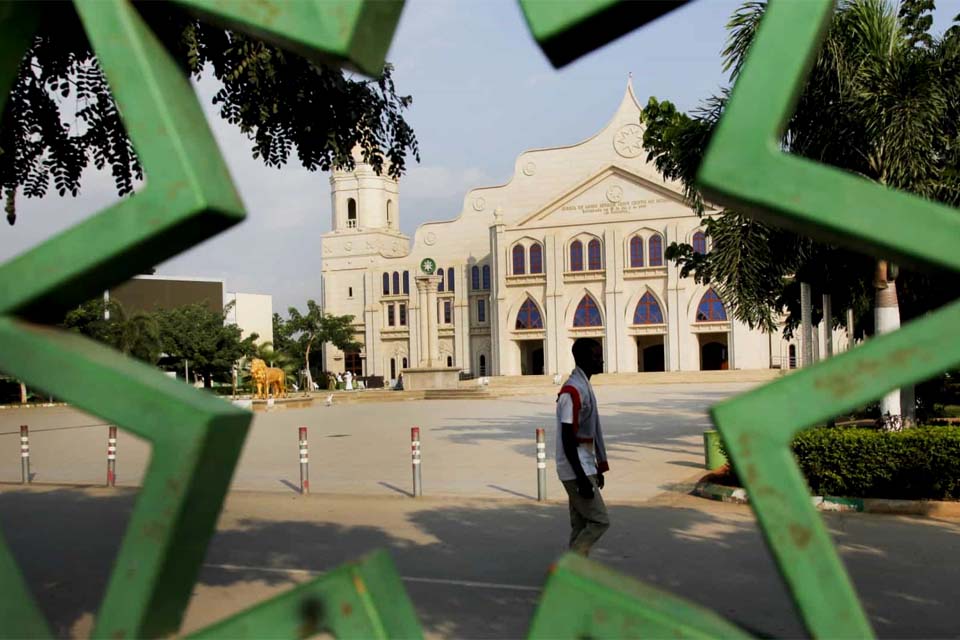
[[541, 466], [415, 459], [24, 454], [111, 456], [304, 463]]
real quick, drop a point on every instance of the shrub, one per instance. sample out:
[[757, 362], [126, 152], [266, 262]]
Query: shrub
[[917, 463]]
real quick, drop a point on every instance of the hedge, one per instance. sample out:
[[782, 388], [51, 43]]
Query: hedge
[[917, 463]]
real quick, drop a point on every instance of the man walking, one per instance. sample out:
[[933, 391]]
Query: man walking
[[581, 455]]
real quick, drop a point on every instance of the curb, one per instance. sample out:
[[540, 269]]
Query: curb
[[926, 508]]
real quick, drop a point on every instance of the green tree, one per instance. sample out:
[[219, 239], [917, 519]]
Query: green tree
[[106, 321], [199, 336], [281, 101], [314, 328], [881, 102]]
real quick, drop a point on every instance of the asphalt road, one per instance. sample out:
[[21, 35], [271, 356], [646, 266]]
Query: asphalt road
[[473, 568]]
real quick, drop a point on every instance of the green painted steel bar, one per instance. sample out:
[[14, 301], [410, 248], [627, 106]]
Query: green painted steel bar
[[745, 168], [196, 438], [354, 33], [583, 599], [361, 599], [566, 31]]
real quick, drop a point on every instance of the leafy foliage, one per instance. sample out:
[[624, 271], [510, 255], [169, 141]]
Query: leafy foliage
[[60, 116], [919, 463], [137, 336], [881, 101], [316, 328], [198, 335]]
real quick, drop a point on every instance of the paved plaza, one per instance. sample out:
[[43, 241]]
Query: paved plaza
[[475, 551], [476, 448]]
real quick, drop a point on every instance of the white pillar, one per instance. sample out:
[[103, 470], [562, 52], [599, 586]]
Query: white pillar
[[806, 324]]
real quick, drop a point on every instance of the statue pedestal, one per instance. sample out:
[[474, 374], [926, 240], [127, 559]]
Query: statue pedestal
[[421, 378]]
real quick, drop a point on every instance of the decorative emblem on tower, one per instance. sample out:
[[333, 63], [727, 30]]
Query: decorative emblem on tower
[[628, 141], [428, 266]]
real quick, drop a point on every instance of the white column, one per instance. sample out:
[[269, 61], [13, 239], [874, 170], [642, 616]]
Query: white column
[[676, 315], [433, 327]]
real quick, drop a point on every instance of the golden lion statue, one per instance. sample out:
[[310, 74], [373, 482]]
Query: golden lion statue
[[268, 379]]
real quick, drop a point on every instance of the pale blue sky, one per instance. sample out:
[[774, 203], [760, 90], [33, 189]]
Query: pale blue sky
[[482, 94]]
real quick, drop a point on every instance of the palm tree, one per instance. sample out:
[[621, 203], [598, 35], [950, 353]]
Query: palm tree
[[881, 102]]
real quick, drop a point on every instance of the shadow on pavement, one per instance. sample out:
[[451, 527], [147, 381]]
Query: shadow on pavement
[[65, 541]]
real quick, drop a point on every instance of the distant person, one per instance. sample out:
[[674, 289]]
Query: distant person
[[399, 385], [581, 455], [348, 380]]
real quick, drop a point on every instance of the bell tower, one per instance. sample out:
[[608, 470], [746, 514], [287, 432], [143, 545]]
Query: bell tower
[[363, 201]]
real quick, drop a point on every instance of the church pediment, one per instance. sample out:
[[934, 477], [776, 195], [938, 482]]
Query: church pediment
[[613, 192]]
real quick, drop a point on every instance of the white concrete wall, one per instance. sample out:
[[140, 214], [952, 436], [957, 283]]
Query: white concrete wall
[[253, 313]]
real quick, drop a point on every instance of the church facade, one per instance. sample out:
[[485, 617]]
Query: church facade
[[572, 246]]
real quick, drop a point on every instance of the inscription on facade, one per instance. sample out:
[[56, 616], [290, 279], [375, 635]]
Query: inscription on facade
[[623, 206]]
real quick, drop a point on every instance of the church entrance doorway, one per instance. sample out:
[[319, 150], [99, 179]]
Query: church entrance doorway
[[714, 354], [531, 357], [650, 353]]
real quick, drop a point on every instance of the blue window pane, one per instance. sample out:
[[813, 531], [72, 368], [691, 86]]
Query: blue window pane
[[536, 259], [636, 251], [440, 273], [486, 277], [481, 311], [519, 260], [593, 256], [529, 316], [699, 242], [475, 277], [648, 311], [406, 282], [396, 283], [711, 308], [450, 279], [587, 314], [576, 256], [655, 246], [386, 284]]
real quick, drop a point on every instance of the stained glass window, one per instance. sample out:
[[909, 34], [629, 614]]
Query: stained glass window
[[576, 256], [386, 284], [536, 258], [587, 314], [396, 283], [655, 250], [648, 311], [594, 262], [711, 309], [519, 260], [529, 316], [475, 278], [699, 242], [486, 277], [636, 251]]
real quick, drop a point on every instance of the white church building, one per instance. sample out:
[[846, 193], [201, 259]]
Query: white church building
[[573, 245]]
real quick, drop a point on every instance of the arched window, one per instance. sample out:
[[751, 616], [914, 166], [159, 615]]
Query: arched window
[[386, 284], [351, 213], [449, 361], [529, 316], [440, 273], [389, 213], [393, 368], [486, 277], [648, 311], [475, 278], [636, 251], [711, 309], [576, 256], [450, 281], [406, 282], [655, 250], [594, 262], [396, 283], [699, 242], [519, 260], [587, 314], [536, 258], [483, 365], [404, 363]]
